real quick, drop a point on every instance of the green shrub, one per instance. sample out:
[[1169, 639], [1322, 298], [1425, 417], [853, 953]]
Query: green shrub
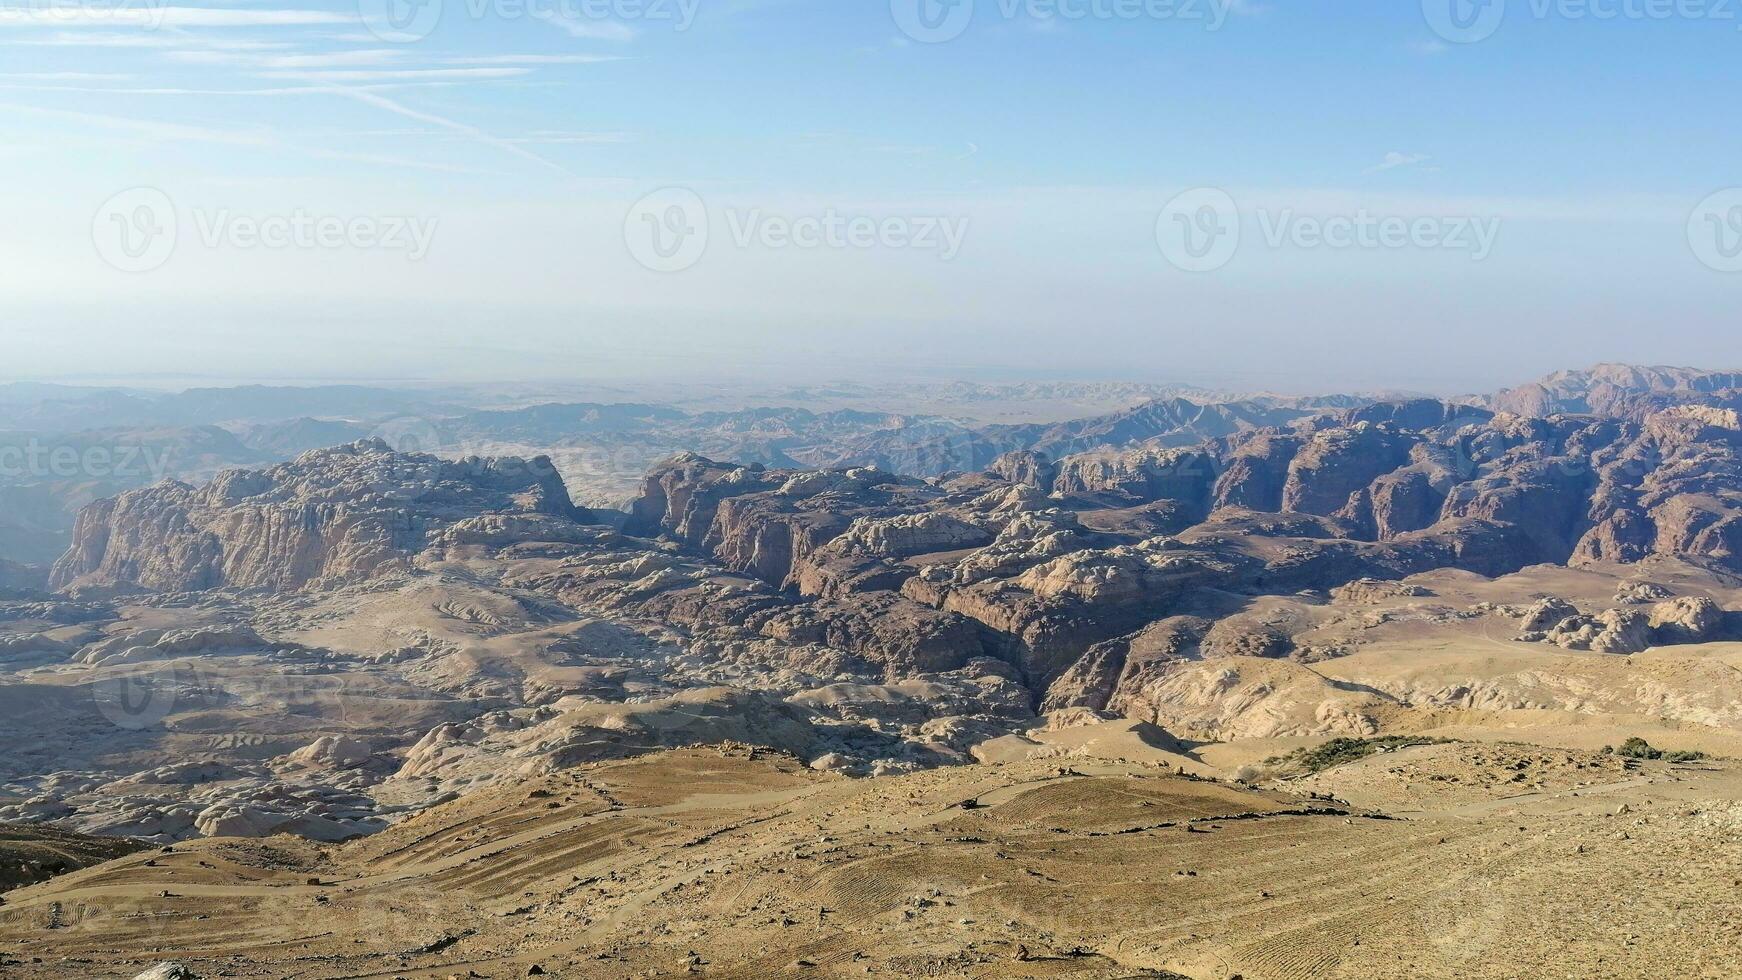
[[1342, 751], [1638, 748]]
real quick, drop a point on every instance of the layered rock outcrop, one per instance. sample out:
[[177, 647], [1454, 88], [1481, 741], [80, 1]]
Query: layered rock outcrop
[[329, 516]]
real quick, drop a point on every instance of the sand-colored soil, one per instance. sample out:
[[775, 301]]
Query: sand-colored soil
[[725, 863]]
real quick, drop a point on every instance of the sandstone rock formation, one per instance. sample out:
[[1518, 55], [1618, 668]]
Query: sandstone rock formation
[[330, 516], [1691, 619], [1377, 493]]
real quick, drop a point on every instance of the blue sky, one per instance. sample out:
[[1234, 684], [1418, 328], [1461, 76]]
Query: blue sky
[[523, 134]]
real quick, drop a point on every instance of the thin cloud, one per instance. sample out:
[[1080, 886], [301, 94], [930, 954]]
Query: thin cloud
[[216, 92], [65, 76], [535, 136], [401, 75], [335, 59], [536, 59], [372, 58], [94, 39], [547, 136], [476, 134], [1394, 160], [167, 17], [165, 132], [592, 30], [152, 129]]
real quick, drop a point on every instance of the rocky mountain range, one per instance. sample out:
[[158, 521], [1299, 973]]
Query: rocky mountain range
[[63, 447], [1621, 391], [1050, 567], [363, 641]]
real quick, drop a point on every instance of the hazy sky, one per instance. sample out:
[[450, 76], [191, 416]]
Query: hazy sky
[[1267, 194]]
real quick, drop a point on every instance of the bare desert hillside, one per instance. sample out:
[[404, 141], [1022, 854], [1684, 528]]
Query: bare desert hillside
[[1443, 861]]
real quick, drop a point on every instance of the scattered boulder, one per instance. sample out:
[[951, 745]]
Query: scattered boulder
[[1634, 593], [1678, 621], [1691, 619], [1547, 614], [333, 752]]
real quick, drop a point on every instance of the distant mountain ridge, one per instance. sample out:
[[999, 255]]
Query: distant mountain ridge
[[1619, 391], [602, 449]]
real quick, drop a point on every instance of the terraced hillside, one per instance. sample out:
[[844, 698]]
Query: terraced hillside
[[737, 863]]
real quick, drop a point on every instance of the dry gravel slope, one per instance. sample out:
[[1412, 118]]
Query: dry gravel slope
[[726, 862]]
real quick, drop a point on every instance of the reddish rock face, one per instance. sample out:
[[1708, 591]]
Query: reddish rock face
[[1338, 463]]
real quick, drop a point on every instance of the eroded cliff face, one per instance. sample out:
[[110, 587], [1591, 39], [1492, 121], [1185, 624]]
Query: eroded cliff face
[[1578, 488], [330, 516], [1066, 574], [1335, 464], [1674, 488], [1184, 475]]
